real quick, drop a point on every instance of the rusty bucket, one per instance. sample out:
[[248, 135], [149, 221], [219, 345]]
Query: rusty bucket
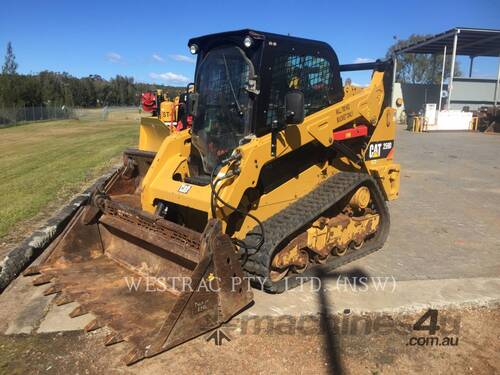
[[154, 283]]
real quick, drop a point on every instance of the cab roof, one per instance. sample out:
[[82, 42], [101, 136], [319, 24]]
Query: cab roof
[[210, 40]]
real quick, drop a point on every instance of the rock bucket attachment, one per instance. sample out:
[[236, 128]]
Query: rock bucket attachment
[[154, 283]]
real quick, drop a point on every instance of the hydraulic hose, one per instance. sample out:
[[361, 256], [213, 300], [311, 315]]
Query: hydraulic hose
[[216, 197]]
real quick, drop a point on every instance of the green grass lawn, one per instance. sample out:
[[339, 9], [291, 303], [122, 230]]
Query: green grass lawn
[[42, 162]]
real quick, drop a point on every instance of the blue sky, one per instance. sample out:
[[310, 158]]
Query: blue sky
[[148, 42]]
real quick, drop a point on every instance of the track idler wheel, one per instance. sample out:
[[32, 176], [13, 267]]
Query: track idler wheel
[[338, 251], [356, 246], [321, 259]]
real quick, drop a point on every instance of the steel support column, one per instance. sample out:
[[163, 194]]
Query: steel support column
[[452, 72], [394, 70], [442, 79], [495, 99], [470, 65]]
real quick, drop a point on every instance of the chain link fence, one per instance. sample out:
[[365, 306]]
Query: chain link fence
[[10, 116], [18, 115], [110, 113]]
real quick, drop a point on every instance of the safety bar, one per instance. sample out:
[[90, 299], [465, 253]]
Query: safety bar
[[379, 65]]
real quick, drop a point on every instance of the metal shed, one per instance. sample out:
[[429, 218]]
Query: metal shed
[[460, 41]]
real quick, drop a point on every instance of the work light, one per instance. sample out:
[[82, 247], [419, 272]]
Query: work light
[[248, 41], [193, 48]]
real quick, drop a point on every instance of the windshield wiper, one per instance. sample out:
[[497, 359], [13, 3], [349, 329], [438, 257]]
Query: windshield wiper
[[240, 112]]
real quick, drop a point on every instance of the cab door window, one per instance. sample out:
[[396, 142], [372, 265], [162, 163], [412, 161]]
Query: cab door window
[[310, 74]]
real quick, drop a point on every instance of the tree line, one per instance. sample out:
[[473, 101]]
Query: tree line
[[58, 89]]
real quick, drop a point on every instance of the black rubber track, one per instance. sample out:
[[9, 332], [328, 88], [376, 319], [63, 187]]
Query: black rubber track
[[283, 225]]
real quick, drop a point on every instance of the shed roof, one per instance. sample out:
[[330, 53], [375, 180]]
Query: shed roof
[[470, 42]]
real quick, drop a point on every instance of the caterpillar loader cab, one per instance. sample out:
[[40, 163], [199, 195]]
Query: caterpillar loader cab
[[241, 82], [283, 171]]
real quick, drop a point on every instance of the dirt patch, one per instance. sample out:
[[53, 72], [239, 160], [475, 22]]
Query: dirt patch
[[280, 351]]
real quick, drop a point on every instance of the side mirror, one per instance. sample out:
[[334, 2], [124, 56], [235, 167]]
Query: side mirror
[[192, 103], [294, 107]]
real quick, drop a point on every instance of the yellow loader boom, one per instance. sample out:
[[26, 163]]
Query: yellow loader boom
[[282, 172]]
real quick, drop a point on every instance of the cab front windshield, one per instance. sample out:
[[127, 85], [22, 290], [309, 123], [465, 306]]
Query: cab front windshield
[[224, 106]]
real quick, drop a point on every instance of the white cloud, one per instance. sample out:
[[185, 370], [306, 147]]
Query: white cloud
[[114, 57], [183, 58], [360, 60], [158, 58], [170, 78]]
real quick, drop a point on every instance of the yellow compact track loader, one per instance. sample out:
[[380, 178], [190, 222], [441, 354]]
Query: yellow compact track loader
[[283, 171]]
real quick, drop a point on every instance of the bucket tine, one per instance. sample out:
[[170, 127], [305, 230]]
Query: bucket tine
[[135, 355], [92, 326], [78, 311], [31, 271], [113, 338], [56, 288], [63, 299], [43, 279]]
